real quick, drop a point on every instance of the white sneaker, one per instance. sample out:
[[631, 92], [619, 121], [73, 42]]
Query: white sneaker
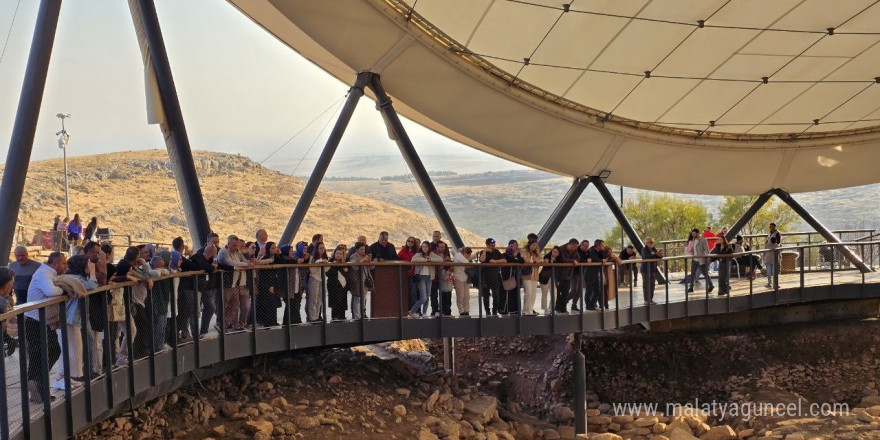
[[413, 315]]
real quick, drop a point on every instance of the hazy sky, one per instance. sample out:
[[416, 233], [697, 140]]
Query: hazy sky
[[241, 90]]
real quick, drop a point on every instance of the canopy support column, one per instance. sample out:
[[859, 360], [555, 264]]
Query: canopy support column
[[820, 228], [562, 210], [25, 128], [308, 194], [146, 23], [624, 222], [416, 167], [747, 216], [580, 385]]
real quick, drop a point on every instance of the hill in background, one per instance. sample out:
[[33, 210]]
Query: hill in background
[[134, 193]]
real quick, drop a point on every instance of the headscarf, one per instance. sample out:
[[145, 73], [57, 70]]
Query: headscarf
[[166, 258], [77, 264], [300, 249], [285, 250], [150, 250]]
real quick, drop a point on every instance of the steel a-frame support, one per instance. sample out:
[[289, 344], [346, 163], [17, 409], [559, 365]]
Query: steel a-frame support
[[416, 167], [568, 200], [395, 127], [802, 213], [308, 195], [146, 23], [25, 127]]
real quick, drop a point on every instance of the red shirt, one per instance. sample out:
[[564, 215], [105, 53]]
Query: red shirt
[[710, 239]]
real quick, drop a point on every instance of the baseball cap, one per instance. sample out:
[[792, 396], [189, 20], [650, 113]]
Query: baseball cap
[[490, 241]]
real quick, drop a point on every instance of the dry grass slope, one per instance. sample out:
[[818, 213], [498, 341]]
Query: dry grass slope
[[134, 193]]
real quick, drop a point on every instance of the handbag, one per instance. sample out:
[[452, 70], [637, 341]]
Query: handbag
[[509, 283]]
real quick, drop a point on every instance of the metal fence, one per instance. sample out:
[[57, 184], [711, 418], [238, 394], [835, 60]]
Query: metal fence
[[87, 346]]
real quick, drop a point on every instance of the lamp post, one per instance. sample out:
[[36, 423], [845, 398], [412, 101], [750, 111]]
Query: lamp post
[[63, 140]]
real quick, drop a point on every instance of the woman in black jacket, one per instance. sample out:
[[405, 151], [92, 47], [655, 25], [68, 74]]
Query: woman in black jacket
[[271, 287], [509, 298], [337, 289], [723, 248]]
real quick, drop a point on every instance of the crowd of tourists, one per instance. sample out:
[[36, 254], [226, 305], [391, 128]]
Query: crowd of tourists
[[239, 285]]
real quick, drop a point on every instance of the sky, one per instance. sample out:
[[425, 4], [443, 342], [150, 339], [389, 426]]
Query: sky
[[241, 91]]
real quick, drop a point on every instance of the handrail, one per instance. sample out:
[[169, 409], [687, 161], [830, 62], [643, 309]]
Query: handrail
[[396, 263]]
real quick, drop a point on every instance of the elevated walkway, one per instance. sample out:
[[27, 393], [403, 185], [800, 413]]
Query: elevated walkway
[[157, 373]]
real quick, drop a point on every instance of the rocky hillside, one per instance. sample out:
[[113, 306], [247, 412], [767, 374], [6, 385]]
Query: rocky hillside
[[134, 193]]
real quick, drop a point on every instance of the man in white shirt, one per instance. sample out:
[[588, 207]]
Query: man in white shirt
[[42, 287]]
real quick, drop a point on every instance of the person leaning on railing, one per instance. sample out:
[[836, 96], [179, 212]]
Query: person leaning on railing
[[209, 285], [43, 287], [650, 256], [236, 299], [75, 282], [545, 277], [630, 272], [564, 275]]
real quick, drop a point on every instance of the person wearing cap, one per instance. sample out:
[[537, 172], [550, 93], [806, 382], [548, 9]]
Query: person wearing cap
[[774, 239], [490, 276], [568, 255]]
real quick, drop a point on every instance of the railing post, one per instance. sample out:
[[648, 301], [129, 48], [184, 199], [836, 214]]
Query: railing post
[[151, 356], [44, 372], [580, 386], [88, 346], [666, 274], [65, 355], [109, 346], [129, 340], [23, 376], [4, 417]]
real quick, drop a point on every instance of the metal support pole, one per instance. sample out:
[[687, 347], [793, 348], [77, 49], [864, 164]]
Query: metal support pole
[[580, 386], [146, 23], [625, 225], [449, 354], [23, 131], [820, 228], [618, 213], [308, 194], [747, 216], [561, 211], [416, 167]]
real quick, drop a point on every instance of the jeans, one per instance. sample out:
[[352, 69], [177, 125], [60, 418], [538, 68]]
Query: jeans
[[648, 280], [32, 336], [356, 306], [491, 287], [703, 269], [421, 305], [770, 267], [209, 308]]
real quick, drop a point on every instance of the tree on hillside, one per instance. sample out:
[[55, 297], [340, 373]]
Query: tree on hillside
[[663, 217], [733, 207]]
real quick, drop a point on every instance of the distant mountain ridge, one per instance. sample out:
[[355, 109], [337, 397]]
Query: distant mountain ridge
[[133, 192]]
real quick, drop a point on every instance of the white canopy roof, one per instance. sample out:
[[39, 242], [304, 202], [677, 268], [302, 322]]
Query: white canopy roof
[[690, 96]]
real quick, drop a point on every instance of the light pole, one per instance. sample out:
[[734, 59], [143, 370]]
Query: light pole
[[63, 140]]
